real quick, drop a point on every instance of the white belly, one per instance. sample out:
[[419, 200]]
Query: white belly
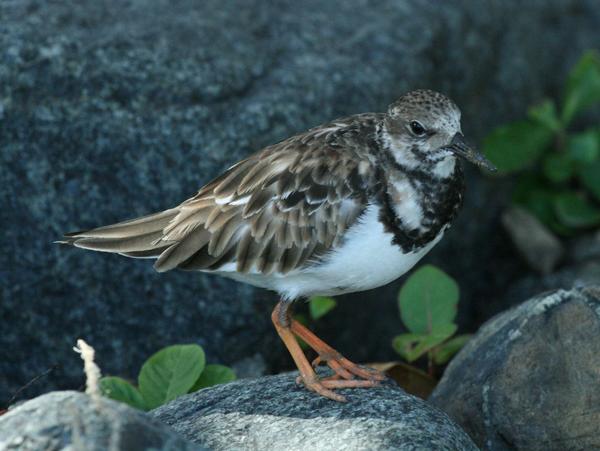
[[366, 260]]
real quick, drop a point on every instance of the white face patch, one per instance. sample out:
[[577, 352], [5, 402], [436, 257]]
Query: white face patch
[[399, 151], [405, 202], [445, 167], [425, 152]]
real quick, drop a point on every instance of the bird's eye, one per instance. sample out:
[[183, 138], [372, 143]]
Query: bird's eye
[[417, 128]]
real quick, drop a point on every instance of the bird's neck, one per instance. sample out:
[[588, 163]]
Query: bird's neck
[[419, 200]]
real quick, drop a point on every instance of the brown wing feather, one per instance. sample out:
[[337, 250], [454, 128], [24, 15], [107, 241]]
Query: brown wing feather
[[276, 211], [280, 209]]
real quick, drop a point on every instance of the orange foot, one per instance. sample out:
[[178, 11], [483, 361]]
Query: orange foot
[[345, 371]]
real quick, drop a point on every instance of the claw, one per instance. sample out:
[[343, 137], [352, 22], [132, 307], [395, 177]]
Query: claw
[[362, 372], [347, 369], [348, 384], [321, 387], [346, 374]]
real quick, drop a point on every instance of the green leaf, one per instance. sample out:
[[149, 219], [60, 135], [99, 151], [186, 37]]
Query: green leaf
[[583, 86], [446, 351], [534, 195], [515, 146], [428, 300], [584, 147], [413, 346], [319, 306], [212, 375], [546, 115], [575, 211], [120, 390], [404, 345], [170, 373], [590, 177], [558, 167]]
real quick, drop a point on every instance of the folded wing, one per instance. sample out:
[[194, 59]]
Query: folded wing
[[276, 211]]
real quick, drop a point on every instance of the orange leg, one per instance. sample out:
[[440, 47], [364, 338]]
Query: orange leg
[[344, 369]]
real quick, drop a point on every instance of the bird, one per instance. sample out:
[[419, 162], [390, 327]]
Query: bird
[[343, 207]]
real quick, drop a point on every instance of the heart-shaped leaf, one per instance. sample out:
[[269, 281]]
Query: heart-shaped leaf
[[212, 375], [120, 390], [428, 300], [170, 373]]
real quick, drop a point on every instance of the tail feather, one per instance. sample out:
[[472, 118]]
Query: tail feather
[[150, 253], [135, 243], [138, 226], [139, 238], [182, 250]]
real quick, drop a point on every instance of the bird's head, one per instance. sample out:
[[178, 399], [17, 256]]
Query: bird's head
[[423, 131]]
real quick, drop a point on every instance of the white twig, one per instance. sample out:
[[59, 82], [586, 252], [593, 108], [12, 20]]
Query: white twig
[[92, 372]]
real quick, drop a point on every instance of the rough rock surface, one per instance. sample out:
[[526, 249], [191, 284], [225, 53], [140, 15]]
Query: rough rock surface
[[529, 379], [114, 109], [274, 413], [73, 421]]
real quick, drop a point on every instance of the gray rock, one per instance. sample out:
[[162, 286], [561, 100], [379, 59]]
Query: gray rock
[[274, 413], [529, 379], [110, 110], [73, 421], [535, 242]]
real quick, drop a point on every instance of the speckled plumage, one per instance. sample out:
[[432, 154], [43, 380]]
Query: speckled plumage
[[278, 217], [346, 206]]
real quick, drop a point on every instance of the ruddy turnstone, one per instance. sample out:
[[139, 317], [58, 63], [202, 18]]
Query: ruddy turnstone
[[346, 206]]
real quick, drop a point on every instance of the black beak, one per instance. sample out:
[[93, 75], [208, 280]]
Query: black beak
[[461, 148]]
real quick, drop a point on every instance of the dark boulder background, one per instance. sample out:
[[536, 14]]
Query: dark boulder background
[[114, 109], [528, 380]]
